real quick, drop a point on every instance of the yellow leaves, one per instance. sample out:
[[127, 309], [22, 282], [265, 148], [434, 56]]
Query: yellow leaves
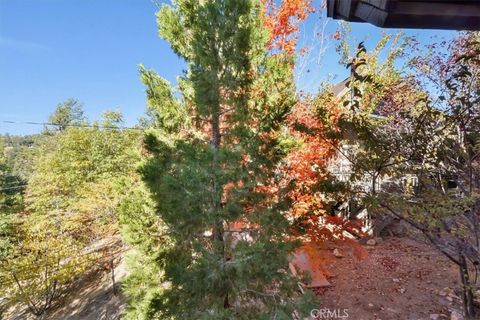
[[44, 258]]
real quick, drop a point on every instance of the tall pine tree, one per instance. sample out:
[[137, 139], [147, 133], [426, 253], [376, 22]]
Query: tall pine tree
[[217, 227]]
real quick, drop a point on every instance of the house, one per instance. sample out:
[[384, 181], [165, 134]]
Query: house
[[341, 167]]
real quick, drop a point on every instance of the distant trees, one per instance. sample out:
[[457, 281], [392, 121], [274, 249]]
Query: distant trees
[[80, 177], [67, 114], [84, 163], [11, 201], [19, 153]]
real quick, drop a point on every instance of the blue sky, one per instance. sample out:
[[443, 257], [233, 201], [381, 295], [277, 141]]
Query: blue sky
[[53, 50]]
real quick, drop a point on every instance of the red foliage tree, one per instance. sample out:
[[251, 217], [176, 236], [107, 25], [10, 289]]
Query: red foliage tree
[[307, 168], [283, 22], [306, 165]]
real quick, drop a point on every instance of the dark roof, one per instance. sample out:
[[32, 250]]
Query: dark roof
[[421, 14]]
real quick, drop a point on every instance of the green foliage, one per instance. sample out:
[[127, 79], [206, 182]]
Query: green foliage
[[82, 161], [81, 176], [20, 152], [378, 128], [143, 230], [68, 113], [11, 202], [213, 162], [163, 108], [401, 130], [38, 268]]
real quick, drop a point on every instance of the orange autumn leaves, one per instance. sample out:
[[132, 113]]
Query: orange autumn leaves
[[308, 162], [282, 21]]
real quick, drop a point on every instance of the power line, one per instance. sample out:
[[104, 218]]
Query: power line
[[76, 125]]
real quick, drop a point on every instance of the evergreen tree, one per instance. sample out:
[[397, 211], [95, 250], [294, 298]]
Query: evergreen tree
[[212, 167]]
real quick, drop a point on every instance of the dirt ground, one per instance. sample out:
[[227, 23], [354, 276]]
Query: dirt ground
[[400, 279], [91, 298]]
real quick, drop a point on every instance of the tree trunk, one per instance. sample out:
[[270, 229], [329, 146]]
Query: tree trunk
[[467, 295], [218, 229]]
